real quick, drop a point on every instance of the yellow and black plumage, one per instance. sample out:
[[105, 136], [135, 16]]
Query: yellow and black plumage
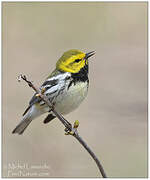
[[66, 88]]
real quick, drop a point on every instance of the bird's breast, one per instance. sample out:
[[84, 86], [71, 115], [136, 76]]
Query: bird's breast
[[71, 97]]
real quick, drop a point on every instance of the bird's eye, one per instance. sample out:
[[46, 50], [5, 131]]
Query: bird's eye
[[77, 60]]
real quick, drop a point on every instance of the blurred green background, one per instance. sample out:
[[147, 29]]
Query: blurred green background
[[113, 118]]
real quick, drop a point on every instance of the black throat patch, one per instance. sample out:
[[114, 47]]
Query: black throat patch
[[81, 76]]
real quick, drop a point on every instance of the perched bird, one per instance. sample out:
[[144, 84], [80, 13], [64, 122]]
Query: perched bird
[[66, 88]]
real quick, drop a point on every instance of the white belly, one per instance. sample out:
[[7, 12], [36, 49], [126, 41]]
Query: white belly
[[71, 99]]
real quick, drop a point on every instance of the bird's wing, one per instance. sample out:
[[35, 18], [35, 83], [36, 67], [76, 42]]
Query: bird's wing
[[53, 86]]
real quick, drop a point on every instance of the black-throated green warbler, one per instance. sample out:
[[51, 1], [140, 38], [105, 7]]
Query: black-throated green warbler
[[66, 88]]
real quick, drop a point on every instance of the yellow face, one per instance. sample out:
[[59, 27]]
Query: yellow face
[[72, 61]]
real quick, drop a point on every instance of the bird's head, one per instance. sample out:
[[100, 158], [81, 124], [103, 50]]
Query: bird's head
[[73, 61]]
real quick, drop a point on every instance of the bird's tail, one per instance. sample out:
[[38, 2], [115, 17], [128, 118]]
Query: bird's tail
[[22, 126], [26, 120], [31, 113]]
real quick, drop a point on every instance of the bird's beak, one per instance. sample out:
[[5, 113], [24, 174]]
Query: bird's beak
[[87, 55]]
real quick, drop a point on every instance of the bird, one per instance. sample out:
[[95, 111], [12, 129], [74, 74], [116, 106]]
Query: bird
[[66, 87]]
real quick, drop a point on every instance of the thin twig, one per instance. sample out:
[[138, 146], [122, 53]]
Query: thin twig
[[76, 135], [68, 127]]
